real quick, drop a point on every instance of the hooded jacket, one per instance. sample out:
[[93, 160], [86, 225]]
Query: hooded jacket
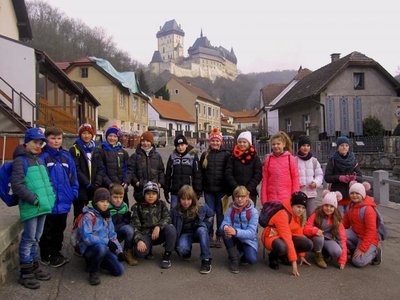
[[280, 177], [100, 233], [279, 227], [309, 171], [32, 186], [213, 176], [246, 230], [203, 218], [62, 172], [365, 229], [310, 230], [183, 169]]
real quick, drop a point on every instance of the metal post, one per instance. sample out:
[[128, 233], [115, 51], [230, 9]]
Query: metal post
[[381, 189]]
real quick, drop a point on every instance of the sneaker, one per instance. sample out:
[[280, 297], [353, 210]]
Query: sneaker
[[45, 260], [205, 267], [58, 260], [378, 257], [166, 261], [243, 261], [94, 278], [187, 257]]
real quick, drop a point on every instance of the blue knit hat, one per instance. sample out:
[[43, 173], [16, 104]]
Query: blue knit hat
[[34, 134], [113, 129], [342, 140]]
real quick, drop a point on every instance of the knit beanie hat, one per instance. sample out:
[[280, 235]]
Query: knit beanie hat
[[303, 140], [298, 198], [86, 127], [180, 139], [359, 188], [245, 135], [331, 198], [113, 129], [151, 186], [34, 134], [147, 136], [101, 194], [342, 140], [215, 134]]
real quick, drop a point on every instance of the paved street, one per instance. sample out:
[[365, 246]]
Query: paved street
[[183, 280]]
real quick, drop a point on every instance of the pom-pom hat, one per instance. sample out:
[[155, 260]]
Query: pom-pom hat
[[331, 198], [359, 188], [215, 134], [86, 127]]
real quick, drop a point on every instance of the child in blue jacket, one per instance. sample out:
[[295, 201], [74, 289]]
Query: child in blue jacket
[[192, 222], [98, 241], [240, 229], [30, 183], [62, 172]]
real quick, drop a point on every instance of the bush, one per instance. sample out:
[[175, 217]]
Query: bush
[[372, 126]]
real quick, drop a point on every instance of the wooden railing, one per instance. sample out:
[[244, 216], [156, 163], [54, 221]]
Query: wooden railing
[[49, 115]]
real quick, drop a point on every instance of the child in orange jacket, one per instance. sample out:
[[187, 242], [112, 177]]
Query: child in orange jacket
[[361, 230], [326, 230], [284, 234]]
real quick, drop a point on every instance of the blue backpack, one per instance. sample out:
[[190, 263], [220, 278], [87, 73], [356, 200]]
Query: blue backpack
[[380, 225], [6, 193]]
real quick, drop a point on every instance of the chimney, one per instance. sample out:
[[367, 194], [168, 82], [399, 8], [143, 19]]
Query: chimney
[[335, 57]]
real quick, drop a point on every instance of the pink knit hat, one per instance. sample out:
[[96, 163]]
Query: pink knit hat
[[359, 188], [215, 134], [331, 198]]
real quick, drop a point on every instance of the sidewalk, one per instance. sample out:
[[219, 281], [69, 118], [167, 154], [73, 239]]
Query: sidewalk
[[183, 280]]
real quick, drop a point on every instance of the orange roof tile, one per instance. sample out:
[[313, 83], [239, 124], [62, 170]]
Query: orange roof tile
[[63, 65], [171, 110]]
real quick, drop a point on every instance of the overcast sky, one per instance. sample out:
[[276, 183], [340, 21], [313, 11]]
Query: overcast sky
[[265, 35]]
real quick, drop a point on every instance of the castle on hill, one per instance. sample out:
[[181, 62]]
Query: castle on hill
[[204, 60]]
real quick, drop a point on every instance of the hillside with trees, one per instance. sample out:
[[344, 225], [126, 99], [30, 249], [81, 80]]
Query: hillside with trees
[[64, 38]]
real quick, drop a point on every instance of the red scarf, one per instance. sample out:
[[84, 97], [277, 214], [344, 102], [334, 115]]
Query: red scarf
[[244, 156]]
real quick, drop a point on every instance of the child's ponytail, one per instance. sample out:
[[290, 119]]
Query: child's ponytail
[[285, 139]]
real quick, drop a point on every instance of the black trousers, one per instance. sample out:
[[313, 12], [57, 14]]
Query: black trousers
[[53, 234], [301, 244]]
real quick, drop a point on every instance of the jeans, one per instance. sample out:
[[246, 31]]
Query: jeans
[[174, 200], [249, 253], [125, 233], [352, 243], [53, 234], [331, 246], [214, 201], [29, 244], [167, 236], [184, 243], [99, 255]]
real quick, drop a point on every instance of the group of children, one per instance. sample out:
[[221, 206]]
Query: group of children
[[96, 179]]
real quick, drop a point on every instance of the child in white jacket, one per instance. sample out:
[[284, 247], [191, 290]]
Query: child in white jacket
[[310, 172]]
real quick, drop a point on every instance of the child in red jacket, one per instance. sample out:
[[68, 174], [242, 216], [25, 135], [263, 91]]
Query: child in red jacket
[[360, 223], [284, 234], [280, 177], [326, 230]]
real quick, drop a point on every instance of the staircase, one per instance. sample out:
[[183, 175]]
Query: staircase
[[15, 105]]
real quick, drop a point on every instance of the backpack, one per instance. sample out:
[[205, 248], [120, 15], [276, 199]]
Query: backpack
[[6, 193], [268, 210], [75, 236], [248, 215], [380, 225]]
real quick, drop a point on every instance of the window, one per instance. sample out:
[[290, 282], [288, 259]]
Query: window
[[121, 101], [209, 111], [176, 92], [288, 123], [84, 72], [306, 124], [358, 81]]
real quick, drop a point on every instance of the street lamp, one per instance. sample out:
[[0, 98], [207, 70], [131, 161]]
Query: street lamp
[[197, 106]]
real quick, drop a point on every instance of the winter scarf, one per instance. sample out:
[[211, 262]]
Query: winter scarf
[[86, 148], [344, 162], [108, 147], [246, 156], [302, 156]]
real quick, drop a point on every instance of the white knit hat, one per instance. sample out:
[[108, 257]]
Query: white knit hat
[[331, 198], [359, 188], [245, 135]]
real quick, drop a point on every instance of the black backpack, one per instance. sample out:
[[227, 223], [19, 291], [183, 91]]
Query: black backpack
[[268, 210]]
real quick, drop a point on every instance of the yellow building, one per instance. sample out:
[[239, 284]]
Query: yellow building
[[122, 102]]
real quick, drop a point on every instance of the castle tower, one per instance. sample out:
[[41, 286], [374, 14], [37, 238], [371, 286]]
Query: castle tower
[[170, 41]]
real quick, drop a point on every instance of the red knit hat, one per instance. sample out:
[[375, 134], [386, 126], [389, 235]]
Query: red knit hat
[[147, 136], [86, 127], [215, 134]]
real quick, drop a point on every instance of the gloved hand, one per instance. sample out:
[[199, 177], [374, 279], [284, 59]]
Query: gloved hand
[[166, 195], [352, 177], [121, 256], [344, 178], [112, 246]]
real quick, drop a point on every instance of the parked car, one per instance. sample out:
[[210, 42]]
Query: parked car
[[160, 138]]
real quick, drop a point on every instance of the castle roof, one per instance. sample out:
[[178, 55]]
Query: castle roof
[[170, 27], [156, 57]]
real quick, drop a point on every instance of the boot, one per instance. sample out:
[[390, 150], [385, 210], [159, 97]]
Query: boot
[[319, 260], [94, 278], [166, 261], [273, 260], [233, 260], [39, 273], [27, 278], [130, 258]]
